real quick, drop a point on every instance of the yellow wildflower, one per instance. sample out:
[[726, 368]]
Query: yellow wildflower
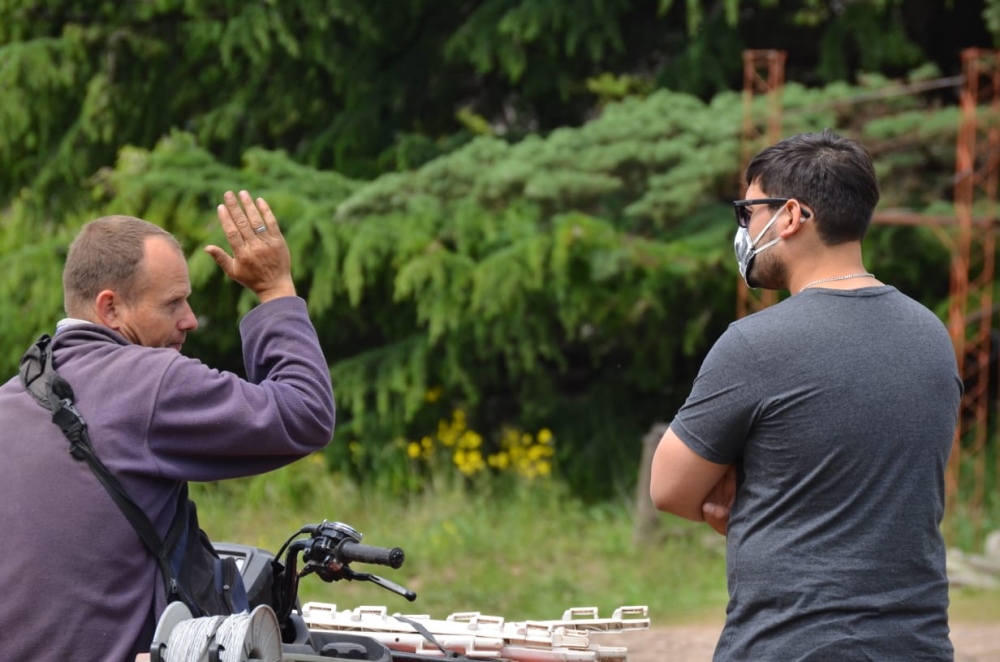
[[499, 461]]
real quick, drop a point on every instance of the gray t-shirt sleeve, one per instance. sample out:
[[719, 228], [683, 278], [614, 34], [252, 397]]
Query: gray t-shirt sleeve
[[724, 401]]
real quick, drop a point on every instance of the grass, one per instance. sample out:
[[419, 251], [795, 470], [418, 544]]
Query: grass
[[521, 553], [517, 551], [975, 606]]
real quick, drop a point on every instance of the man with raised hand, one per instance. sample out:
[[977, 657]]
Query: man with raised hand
[[76, 580]]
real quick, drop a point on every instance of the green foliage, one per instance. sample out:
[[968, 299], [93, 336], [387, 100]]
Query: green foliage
[[366, 87], [32, 252], [991, 14], [634, 164], [608, 87], [708, 59], [500, 33], [879, 41]]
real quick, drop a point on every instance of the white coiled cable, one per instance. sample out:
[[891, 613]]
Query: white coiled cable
[[241, 637], [190, 639], [234, 636]]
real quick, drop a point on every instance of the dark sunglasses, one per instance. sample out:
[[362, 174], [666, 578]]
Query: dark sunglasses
[[743, 213]]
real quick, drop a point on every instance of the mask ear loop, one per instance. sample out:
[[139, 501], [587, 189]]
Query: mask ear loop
[[760, 234]]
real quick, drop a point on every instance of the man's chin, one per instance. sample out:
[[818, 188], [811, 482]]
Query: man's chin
[[769, 279]]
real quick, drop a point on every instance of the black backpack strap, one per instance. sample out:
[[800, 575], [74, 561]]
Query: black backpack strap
[[49, 389], [37, 372]]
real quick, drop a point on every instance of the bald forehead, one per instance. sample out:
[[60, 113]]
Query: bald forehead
[[162, 258]]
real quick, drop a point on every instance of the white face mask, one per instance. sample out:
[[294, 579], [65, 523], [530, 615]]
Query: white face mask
[[746, 249]]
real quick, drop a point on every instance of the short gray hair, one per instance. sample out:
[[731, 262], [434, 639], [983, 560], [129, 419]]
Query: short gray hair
[[106, 255]]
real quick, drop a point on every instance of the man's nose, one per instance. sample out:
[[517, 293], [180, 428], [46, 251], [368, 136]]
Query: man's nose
[[189, 322]]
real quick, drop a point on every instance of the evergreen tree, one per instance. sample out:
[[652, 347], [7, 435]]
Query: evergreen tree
[[367, 87]]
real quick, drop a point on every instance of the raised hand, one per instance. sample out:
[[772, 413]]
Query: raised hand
[[260, 261]]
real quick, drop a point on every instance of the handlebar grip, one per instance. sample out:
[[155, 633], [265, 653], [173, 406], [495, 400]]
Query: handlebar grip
[[350, 551]]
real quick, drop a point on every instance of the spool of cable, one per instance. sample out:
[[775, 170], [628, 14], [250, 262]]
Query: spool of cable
[[253, 637], [244, 637]]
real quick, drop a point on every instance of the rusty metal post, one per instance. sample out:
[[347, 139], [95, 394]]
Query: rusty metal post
[[970, 312], [763, 73]]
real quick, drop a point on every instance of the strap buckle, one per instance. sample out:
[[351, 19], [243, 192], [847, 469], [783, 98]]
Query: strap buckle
[[69, 420]]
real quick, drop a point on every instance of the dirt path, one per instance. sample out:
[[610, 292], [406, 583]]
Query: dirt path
[[695, 643]]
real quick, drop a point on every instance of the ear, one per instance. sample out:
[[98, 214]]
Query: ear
[[797, 217], [106, 307]]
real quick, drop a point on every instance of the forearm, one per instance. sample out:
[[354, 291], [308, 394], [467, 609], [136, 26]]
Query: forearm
[[680, 480]]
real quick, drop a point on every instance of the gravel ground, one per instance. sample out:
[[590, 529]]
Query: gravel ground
[[695, 643]]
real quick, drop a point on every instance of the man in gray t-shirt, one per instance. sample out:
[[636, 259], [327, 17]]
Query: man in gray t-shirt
[[817, 433]]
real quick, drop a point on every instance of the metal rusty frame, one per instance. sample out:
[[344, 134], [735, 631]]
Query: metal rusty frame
[[970, 310]]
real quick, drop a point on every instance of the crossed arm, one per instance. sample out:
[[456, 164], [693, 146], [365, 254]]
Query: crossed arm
[[685, 484]]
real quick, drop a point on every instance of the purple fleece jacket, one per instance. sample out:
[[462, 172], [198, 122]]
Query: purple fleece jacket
[[76, 583]]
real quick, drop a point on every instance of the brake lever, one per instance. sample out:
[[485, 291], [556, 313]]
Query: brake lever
[[350, 574]]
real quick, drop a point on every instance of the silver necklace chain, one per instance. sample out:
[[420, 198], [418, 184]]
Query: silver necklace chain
[[863, 274]]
